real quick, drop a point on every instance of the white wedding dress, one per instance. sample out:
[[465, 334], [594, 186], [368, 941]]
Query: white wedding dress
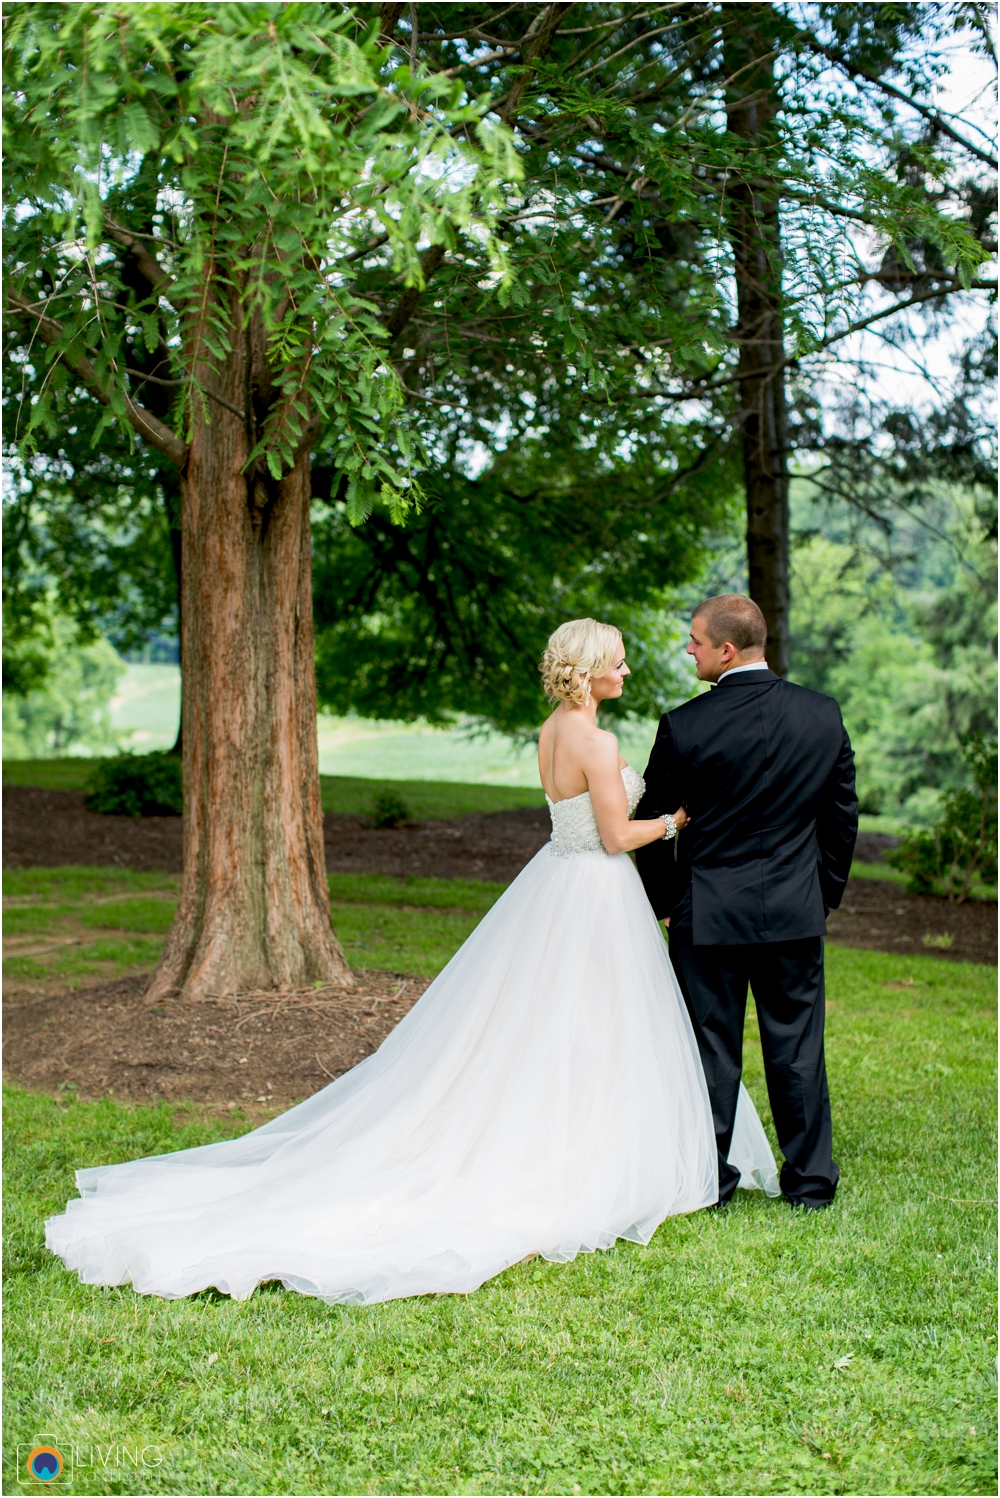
[[545, 1096]]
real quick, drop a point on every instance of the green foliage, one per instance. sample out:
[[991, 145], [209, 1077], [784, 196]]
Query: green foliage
[[389, 809], [88, 535], [449, 612], [253, 148], [60, 701], [605, 493], [898, 622], [136, 785], [27, 643], [962, 848], [756, 1351], [579, 329]]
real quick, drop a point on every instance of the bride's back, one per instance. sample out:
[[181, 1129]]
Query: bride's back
[[566, 745]]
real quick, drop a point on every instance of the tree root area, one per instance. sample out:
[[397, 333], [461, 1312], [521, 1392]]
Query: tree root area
[[258, 1053]]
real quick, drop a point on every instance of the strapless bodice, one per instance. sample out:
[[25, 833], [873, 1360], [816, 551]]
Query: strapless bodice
[[574, 826]]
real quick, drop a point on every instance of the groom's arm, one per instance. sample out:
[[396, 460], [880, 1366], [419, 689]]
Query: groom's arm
[[837, 825], [663, 875]]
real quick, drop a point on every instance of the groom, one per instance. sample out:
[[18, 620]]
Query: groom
[[766, 772]]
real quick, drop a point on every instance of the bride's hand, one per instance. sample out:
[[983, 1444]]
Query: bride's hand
[[681, 818]]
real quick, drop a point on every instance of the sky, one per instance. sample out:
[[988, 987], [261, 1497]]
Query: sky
[[921, 374]]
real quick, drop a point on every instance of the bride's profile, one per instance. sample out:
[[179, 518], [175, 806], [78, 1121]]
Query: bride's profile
[[544, 1096]]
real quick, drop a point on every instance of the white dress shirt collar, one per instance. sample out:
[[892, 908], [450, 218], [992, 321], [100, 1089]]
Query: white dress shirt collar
[[753, 666]]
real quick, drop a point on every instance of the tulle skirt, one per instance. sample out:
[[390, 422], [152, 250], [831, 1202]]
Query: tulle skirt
[[545, 1096]]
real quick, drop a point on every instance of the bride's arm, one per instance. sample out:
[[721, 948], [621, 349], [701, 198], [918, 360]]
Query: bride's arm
[[610, 803]]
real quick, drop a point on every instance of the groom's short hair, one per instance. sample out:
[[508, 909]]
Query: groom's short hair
[[732, 616]]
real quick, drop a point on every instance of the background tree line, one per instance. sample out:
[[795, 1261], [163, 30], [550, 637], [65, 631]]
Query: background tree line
[[542, 338]]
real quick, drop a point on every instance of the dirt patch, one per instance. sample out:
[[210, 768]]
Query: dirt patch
[[491, 845], [872, 847], [43, 829], [879, 914], [260, 1055]]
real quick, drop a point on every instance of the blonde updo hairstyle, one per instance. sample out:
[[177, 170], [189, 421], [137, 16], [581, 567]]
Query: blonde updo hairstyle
[[577, 652]]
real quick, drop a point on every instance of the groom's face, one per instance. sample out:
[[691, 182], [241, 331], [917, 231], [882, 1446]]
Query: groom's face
[[710, 660]]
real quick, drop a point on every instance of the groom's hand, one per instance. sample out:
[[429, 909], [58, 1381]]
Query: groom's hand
[[666, 922]]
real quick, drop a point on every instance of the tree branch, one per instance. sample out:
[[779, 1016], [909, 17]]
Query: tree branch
[[911, 301], [203, 389], [160, 283], [388, 16], [813, 200], [858, 70], [149, 427], [407, 304], [703, 387], [541, 31], [478, 62]]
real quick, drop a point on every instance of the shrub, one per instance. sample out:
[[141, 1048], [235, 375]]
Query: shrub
[[70, 706], [962, 848], [389, 810], [136, 785]]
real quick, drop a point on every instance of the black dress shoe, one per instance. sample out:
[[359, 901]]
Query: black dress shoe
[[807, 1206]]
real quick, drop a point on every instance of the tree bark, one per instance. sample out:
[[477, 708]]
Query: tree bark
[[254, 907], [755, 232], [170, 484]]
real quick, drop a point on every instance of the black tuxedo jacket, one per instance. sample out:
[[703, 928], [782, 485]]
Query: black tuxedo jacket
[[766, 772]]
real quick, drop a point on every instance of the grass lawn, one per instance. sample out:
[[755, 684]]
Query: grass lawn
[[757, 1351], [69, 774], [89, 925], [426, 798], [345, 793]]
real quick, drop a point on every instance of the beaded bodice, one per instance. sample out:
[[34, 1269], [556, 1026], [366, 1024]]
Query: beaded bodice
[[574, 826]]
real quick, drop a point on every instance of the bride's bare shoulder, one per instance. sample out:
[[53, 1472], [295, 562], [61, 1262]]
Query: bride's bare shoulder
[[602, 745]]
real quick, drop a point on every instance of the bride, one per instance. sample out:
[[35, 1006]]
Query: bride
[[545, 1096]]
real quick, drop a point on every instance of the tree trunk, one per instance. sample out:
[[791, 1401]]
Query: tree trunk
[[254, 907], [170, 484], [752, 103]]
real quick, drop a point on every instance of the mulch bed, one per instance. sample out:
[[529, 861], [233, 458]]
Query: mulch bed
[[262, 1054], [881, 915], [43, 829], [257, 1054], [493, 846]]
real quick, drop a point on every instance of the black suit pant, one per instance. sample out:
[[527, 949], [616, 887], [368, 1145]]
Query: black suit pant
[[787, 982]]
